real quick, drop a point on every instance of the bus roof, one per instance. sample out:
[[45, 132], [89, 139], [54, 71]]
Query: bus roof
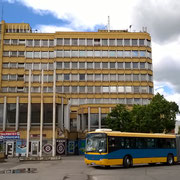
[[132, 134]]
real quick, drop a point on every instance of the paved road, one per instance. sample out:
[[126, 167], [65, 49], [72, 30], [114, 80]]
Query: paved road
[[73, 168]]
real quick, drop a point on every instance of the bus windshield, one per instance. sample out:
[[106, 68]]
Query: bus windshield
[[96, 142]]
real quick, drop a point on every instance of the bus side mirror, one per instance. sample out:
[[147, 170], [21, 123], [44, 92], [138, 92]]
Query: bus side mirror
[[100, 150]]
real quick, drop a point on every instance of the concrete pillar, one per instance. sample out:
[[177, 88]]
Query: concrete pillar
[[89, 118], [83, 122], [17, 113], [99, 117], [78, 122], [62, 114], [59, 115], [4, 113], [67, 117]]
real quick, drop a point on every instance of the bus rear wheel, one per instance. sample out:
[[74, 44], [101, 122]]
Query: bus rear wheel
[[127, 161], [170, 159]]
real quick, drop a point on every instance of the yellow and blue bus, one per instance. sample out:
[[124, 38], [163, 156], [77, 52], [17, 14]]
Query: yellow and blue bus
[[105, 147]]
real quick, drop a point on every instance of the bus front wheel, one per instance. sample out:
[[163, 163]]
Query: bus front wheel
[[170, 159], [127, 161]]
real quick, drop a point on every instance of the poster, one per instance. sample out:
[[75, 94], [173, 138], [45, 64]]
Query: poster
[[71, 147], [81, 146], [20, 148], [61, 146]]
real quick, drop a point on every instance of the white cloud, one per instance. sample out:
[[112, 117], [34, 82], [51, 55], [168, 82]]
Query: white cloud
[[87, 14]]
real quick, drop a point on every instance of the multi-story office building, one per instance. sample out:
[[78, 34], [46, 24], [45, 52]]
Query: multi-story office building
[[68, 80]]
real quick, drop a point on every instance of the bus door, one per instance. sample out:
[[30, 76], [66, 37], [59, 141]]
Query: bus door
[[178, 147]]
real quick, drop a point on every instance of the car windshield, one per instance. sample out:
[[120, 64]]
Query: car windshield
[[96, 142]]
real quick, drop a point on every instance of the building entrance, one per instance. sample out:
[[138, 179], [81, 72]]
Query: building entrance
[[34, 148], [10, 148]]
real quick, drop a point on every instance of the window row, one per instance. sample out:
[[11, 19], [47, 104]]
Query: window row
[[129, 101], [83, 89], [78, 42], [80, 65], [35, 42], [78, 54], [79, 77]]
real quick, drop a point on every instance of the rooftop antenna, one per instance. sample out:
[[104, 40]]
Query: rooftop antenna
[[108, 24]]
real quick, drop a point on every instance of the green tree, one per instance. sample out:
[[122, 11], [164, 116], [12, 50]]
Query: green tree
[[159, 116], [119, 118]]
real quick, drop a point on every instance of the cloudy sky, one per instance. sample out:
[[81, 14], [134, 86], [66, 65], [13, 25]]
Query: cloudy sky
[[161, 17]]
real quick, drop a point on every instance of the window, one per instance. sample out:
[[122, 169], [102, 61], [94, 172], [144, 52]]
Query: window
[[29, 42], [128, 89], [50, 79], [136, 89], [74, 77], [51, 54], [12, 89], [127, 65], [126, 42], [5, 65], [135, 65], [59, 89], [74, 65], [82, 77], [20, 65], [66, 65], [105, 54], [74, 53], [127, 53], [143, 89], [112, 77], [113, 89], [111, 42], [97, 42], [36, 42], [82, 53], [59, 65], [14, 53], [141, 42], [51, 66], [6, 53], [134, 42], [134, 53], [59, 53], [13, 65], [105, 65], [121, 77], [105, 77], [135, 77], [142, 53], [119, 53], [5, 77], [44, 54], [97, 77], [6, 41], [89, 65], [59, 77], [127, 77], [119, 42], [143, 77], [37, 54], [22, 41], [66, 53], [29, 54], [112, 65], [66, 89], [66, 77], [142, 65], [81, 89], [67, 42], [74, 89], [105, 89], [51, 42], [97, 89], [36, 66], [12, 77], [97, 53], [21, 53], [82, 42], [14, 41], [74, 42], [35, 78], [150, 78], [148, 43], [120, 89], [82, 65], [28, 66], [129, 101], [89, 89], [59, 41], [104, 42], [89, 53], [112, 53], [97, 65], [44, 42], [120, 65], [89, 77], [89, 42]]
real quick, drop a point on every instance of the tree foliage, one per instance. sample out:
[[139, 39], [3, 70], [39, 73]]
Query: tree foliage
[[159, 116]]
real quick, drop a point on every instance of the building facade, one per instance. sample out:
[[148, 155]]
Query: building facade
[[55, 84]]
